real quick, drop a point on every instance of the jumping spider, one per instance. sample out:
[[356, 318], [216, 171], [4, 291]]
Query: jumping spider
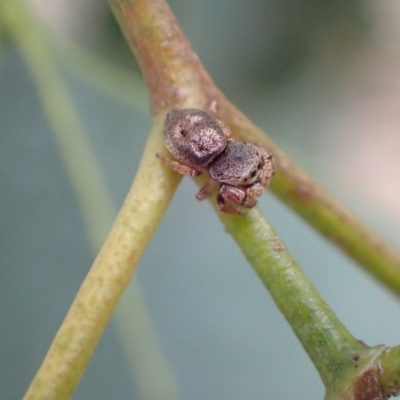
[[200, 142]]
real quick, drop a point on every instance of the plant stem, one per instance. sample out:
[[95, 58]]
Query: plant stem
[[111, 272], [98, 213], [173, 72], [390, 371], [328, 343]]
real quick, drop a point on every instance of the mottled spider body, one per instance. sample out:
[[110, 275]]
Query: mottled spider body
[[194, 137], [200, 142]]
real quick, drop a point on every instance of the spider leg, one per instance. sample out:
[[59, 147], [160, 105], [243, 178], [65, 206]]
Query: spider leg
[[227, 132], [237, 197], [206, 190], [178, 167], [226, 208]]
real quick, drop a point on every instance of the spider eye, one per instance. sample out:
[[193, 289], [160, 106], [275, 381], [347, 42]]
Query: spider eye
[[253, 174]]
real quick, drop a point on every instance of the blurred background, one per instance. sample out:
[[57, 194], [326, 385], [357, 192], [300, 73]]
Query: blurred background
[[322, 78]]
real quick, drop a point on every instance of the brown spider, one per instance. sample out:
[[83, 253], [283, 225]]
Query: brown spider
[[200, 142]]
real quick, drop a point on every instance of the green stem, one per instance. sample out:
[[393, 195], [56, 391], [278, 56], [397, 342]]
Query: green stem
[[390, 371], [173, 72], [111, 272], [328, 343], [78, 336]]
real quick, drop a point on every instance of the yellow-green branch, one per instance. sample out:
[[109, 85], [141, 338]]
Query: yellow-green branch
[[111, 272], [94, 304]]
